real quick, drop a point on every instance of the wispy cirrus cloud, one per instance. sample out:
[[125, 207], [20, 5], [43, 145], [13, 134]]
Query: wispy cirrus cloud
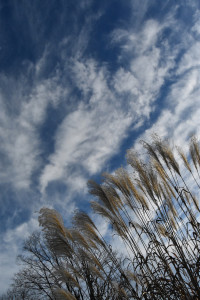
[[11, 241], [171, 63], [87, 136], [110, 104], [20, 140], [180, 118]]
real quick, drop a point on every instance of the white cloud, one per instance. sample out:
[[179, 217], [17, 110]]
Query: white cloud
[[85, 140], [19, 136], [93, 132], [89, 135], [11, 245], [125, 81], [190, 59], [181, 117], [110, 104], [149, 66], [147, 37]]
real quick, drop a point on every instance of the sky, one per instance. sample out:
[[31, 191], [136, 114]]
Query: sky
[[82, 81]]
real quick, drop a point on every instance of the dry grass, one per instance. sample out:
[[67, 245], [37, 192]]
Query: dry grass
[[154, 211]]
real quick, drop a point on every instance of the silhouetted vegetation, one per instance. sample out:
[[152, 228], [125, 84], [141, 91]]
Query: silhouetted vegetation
[[154, 211]]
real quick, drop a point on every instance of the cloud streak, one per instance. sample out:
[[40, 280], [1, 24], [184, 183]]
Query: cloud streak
[[110, 104]]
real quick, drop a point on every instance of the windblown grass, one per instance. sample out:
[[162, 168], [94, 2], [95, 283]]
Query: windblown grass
[[154, 210]]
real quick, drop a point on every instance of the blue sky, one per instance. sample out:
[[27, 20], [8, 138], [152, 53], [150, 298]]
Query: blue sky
[[81, 82]]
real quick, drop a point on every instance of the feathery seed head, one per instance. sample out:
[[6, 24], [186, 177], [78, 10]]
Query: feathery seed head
[[184, 159]]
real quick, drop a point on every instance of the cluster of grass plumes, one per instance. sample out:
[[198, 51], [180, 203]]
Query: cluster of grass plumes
[[67, 263], [154, 210]]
